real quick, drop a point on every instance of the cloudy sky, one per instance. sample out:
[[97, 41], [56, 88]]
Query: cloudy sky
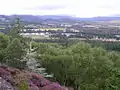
[[79, 8]]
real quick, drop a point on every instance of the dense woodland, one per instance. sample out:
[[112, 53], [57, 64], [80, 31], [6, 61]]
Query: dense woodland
[[81, 65]]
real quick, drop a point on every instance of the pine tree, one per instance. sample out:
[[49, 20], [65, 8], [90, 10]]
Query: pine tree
[[16, 28], [15, 54]]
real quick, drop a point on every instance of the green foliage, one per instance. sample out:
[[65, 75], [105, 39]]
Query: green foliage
[[15, 53], [23, 86], [112, 46], [16, 29], [15, 49], [4, 40], [82, 66], [44, 48], [16, 64], [2, 56]]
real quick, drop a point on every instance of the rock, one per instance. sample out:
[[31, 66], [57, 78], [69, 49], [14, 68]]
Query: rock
[[5, 85]]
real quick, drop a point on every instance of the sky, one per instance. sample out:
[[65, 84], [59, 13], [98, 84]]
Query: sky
[[78, 8]]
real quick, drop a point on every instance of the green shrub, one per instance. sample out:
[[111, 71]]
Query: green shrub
[[23, 85]]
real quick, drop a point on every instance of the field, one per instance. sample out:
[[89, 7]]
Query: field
[[55, 29], [36, 37]]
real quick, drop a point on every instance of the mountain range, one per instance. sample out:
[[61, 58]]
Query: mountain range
[[54, 18]]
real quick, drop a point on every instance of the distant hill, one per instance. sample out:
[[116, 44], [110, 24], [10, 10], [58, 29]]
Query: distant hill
[[106, 18], [36, 19], [54, 18]]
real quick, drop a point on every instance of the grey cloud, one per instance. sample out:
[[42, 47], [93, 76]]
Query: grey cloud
[[48, 7]]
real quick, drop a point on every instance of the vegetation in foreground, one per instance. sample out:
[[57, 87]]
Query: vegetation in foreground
[[14, 56], [81, 66]]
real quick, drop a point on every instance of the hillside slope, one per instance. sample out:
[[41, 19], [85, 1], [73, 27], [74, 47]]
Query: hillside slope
[[15, 79]]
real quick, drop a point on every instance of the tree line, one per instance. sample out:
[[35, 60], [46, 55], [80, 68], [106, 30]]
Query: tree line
[[80, 65]]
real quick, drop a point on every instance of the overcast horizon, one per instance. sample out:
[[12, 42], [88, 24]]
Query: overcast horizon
[[78, 8]]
